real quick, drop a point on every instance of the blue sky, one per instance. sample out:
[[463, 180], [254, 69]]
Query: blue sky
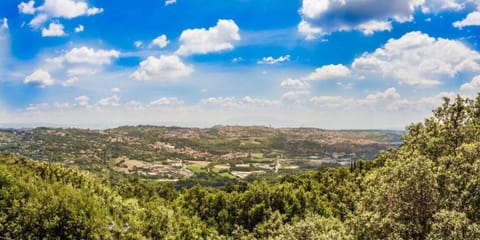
[[319, 63]]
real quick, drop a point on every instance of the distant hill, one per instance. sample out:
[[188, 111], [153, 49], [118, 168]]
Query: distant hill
[[426, 188], [175, 153]]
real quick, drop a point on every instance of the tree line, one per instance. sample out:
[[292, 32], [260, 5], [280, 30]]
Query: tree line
[[428, 188]]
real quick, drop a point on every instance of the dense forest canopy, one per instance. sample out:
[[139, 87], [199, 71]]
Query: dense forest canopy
[[428, 188]]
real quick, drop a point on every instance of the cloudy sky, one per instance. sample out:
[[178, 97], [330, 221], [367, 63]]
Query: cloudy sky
[[318, 63]]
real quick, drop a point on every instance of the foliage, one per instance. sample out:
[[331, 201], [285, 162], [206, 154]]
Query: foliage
[[428, 188]]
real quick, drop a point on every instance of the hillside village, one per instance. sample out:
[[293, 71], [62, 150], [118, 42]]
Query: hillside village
[[172, 153]]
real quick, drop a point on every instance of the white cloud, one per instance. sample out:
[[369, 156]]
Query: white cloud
[[57, 9], [313, 8], [70, 81], [82, 101], [81, 70], [294, 83], [53, 30], [4, 25], [85, 55], [472, 19], [166, 101], [68, 8], [116, 90], [220, 101], [163, 68], [39, 20], [110, 101], [79, 28], [63, 105], [441, 5], [436, 100], [473, 85], [390, 93], [39, 77], [310, 32], [215, 39], [237, 59], [247, 101], [321, 17], [329, 72], [424, 104], [370, 27], [419, 60], [295, 96], [138, 44], [272, 60], [37, 107], [27, 8], [160, 41], [135, 105], [332, 101], [259, 102], [346, 86], [170, 2], [403, 105]]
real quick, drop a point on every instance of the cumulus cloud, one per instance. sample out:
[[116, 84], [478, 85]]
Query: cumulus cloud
[[138, 44], [170, 2], [472, 19], [329, 72], [53, 30], [294, 83], [82, 101], [260, 102], [70, 81], [436, 6], [83, 61], [40, 77], [37, 107], [373, 26], [424, 104], [271, 60], [163, 68], [295, 96], [419, 60], [166, 101], [390, 93], [113, 101], [321, 17], [332, 101], [221, 37], [346, 86], [309, 31], [473, 85], [247, 101], [4, 25], [220, 101], [237, 59], [57, 9], [436, 100], [79, 28], [27, 8], [160, 41], [85, 55], [135, 105]]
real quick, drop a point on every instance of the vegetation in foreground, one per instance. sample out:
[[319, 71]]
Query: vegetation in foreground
[[428, 188]]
